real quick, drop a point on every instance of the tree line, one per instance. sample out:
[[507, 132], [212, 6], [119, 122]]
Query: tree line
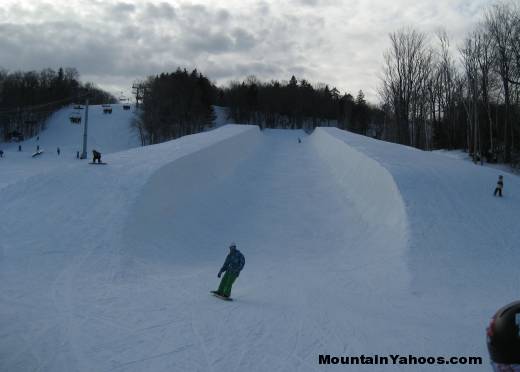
[[433, 97], [179, 103], [28, 98], [298, 104], [174, 104]]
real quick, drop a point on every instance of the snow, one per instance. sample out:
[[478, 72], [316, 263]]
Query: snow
[[106, 133], [353, 246], [221, 116], [462, 155], [462, 252]]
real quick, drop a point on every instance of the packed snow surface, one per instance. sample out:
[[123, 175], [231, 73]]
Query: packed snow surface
[[352, 246]]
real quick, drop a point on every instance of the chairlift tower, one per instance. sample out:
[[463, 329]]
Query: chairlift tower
[[85, 128]]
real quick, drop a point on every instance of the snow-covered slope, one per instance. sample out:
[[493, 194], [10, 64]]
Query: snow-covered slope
[[463, 245], [352, 246], [107, 133]]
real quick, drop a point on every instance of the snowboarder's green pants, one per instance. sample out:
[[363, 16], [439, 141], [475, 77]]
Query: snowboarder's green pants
[[226, 283]]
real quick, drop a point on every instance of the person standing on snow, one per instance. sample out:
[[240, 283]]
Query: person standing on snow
[[500, 186], [234, 263], [96, 155]]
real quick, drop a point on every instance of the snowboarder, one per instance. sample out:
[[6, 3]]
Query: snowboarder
[[234, 263], [1, 153], [19, 148], [503, 341], [37, 148], [77, 154], [58, 150], [500, 186], [96, 155], [299, 140]]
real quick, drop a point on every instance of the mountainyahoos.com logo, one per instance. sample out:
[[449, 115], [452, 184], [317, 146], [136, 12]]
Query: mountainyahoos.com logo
[[396, 359]]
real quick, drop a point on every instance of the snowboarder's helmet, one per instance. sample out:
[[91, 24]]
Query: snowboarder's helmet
[[503, 335]]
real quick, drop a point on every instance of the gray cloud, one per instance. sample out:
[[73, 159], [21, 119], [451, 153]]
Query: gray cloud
[[162, 10], [114, 42], [120, 8], [204, 41]]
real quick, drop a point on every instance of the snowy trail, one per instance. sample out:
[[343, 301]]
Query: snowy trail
[[305, 249], [132, 294], [349, 245]]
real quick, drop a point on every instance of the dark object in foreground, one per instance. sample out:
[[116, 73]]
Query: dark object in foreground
[[503, 337], [216, 294]]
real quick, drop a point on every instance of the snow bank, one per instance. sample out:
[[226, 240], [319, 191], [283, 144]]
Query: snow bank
[[61, 249], [463, 242], [369, 186], [181, 181]]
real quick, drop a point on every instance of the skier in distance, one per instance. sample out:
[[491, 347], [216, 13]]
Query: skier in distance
[[500, 186]]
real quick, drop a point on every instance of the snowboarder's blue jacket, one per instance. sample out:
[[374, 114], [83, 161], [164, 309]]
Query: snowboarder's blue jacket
[[234, 263]]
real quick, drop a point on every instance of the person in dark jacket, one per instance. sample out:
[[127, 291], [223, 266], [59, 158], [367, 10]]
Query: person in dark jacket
[[234, 263], [500, 186], [96, 155]]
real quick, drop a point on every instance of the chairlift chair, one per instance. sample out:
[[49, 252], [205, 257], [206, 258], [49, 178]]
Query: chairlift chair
[[75, 118]]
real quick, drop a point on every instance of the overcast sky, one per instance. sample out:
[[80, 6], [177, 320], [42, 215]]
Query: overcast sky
[[112, 42]]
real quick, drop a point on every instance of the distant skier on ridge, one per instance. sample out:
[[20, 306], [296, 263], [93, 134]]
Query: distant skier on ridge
[[500, 186], [234, 263]]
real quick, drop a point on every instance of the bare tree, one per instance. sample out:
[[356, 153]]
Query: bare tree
[[469, 55], [406, 71], [501, 25]]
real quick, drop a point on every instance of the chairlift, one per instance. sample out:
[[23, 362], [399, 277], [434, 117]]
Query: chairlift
[[78, 107], [75, 118], [107, 109], [126, 106]]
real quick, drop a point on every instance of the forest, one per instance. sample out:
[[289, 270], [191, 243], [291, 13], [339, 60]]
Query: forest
[[439, 96], [180, 103], [28, 98], [299, 105], [173, 105]]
